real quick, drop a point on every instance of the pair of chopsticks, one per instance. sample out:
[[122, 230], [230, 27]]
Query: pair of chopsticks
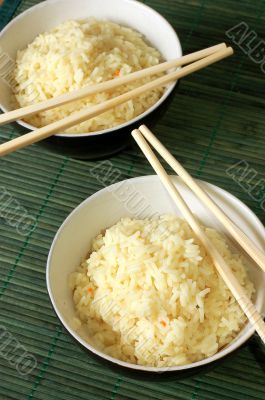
[[196, 61], [141, 136]]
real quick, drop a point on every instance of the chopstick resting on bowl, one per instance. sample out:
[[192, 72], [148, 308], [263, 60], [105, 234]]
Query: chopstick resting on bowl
[[222, 267], [90, 112], [246, 243], [107, 85]]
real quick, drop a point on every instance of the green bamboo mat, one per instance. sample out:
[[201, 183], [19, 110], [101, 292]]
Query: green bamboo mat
[[215, 120]]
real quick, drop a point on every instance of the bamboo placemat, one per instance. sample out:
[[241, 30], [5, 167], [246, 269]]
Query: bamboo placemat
[[215, 121]]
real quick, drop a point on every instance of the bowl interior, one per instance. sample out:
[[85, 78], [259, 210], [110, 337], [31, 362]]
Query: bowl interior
[[138, 197], [48, 14]]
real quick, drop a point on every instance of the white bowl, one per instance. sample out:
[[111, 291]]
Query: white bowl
[[139, 197], [24, 28]]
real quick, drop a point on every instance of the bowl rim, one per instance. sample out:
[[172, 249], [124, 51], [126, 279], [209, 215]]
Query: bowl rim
[[236, 343], [169, 88]]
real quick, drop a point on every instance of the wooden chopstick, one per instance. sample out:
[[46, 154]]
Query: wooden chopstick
[[247, 244], [220, 264], [108, 85], [83, 115]]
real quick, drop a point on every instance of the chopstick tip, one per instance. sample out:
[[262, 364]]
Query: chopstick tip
[[142, 127], [135, 132]]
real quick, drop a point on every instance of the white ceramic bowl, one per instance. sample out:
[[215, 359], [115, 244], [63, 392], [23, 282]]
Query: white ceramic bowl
[[24, 28], [141, 197]]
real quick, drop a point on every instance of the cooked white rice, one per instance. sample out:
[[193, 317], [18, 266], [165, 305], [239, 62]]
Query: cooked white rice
[[149, 294], [80, 53]]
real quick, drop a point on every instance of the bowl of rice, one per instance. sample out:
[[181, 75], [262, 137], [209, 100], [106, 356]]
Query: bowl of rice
[[59, 46], [129, 280]]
